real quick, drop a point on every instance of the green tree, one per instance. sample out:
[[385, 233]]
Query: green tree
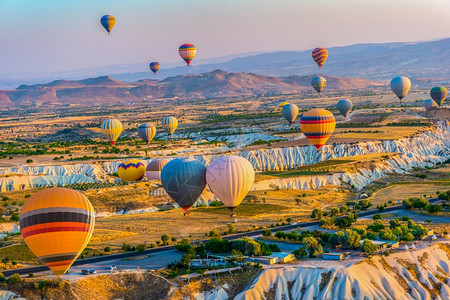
[[334, 212], [388, 235], [408, 237], [300, 252], [376, 217], [350, 239], [312, 245], [237, 255], [316, 213], [231, 228], [433, 208], [368, 247], [267, 232], [140, 248], [344, 208], [218, 245], [165, 238], [14, 279]]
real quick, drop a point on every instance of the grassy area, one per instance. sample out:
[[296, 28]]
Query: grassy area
[[405, 190], [327, 167], [18, 253], [245, 209], [382, 133]]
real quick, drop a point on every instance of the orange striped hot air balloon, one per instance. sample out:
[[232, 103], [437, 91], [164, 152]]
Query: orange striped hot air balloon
[[57, 224], [317, 125], [320, 55], [187, 52]]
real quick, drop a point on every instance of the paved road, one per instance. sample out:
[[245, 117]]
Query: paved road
[[255, 233]]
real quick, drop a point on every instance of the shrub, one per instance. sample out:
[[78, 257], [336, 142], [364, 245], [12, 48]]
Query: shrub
[[107, 249], [316, 213], [2, 278], [368, 247], [14, 279], [140, 248], [300, 252], [266, 232]]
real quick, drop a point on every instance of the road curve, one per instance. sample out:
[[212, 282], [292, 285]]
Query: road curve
[[79, 262]]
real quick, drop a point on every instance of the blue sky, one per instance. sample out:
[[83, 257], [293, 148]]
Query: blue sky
[[55, 35]]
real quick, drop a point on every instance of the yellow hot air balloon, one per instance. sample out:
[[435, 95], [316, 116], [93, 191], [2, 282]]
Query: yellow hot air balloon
[[280, 107], [112, 129], [317, 125], [131, 170], [169, 124], [57, 224]]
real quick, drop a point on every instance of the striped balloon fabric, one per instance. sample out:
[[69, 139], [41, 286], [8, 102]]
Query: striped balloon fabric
[[438, 94], [146, 132], [320, 55], [187, 52], [169, 124], [317, 125], [153, 169], [131, 170], [57, 224], [318, 83], [112, 129]]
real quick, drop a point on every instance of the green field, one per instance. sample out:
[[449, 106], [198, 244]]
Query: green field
[[245, 209]]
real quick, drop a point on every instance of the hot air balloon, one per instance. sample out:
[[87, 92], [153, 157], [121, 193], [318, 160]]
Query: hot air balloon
[[429, 103], [317, 125], [230, 179], [400, 86], [318, 83], [280, 107], [290, 112], [438, 93], [131, 170], [112, 129], [146, 132], [108, 22], [154, 66], [153, 169], [56, 224], [184, 180], [187, 52], [169, 124], [344, 106], [320, 55]]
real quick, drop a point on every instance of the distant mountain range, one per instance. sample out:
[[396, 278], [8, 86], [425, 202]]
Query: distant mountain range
[[371, 61], [106, 90], [429, 61]]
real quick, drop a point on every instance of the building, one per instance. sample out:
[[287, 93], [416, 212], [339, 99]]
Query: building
[[283, 257], [383, 244], [265, 260], [207, 263], [333, 256]]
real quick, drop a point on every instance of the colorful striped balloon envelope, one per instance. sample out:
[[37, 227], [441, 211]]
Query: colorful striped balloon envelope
[[131, 170], [111, 129], [57, 224], [317, 125], [320, 55], [187, 52]]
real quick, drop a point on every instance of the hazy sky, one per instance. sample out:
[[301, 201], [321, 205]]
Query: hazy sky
[[54, 35]]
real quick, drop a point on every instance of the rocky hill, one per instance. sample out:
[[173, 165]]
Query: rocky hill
[[419, 274], [106, 90]]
